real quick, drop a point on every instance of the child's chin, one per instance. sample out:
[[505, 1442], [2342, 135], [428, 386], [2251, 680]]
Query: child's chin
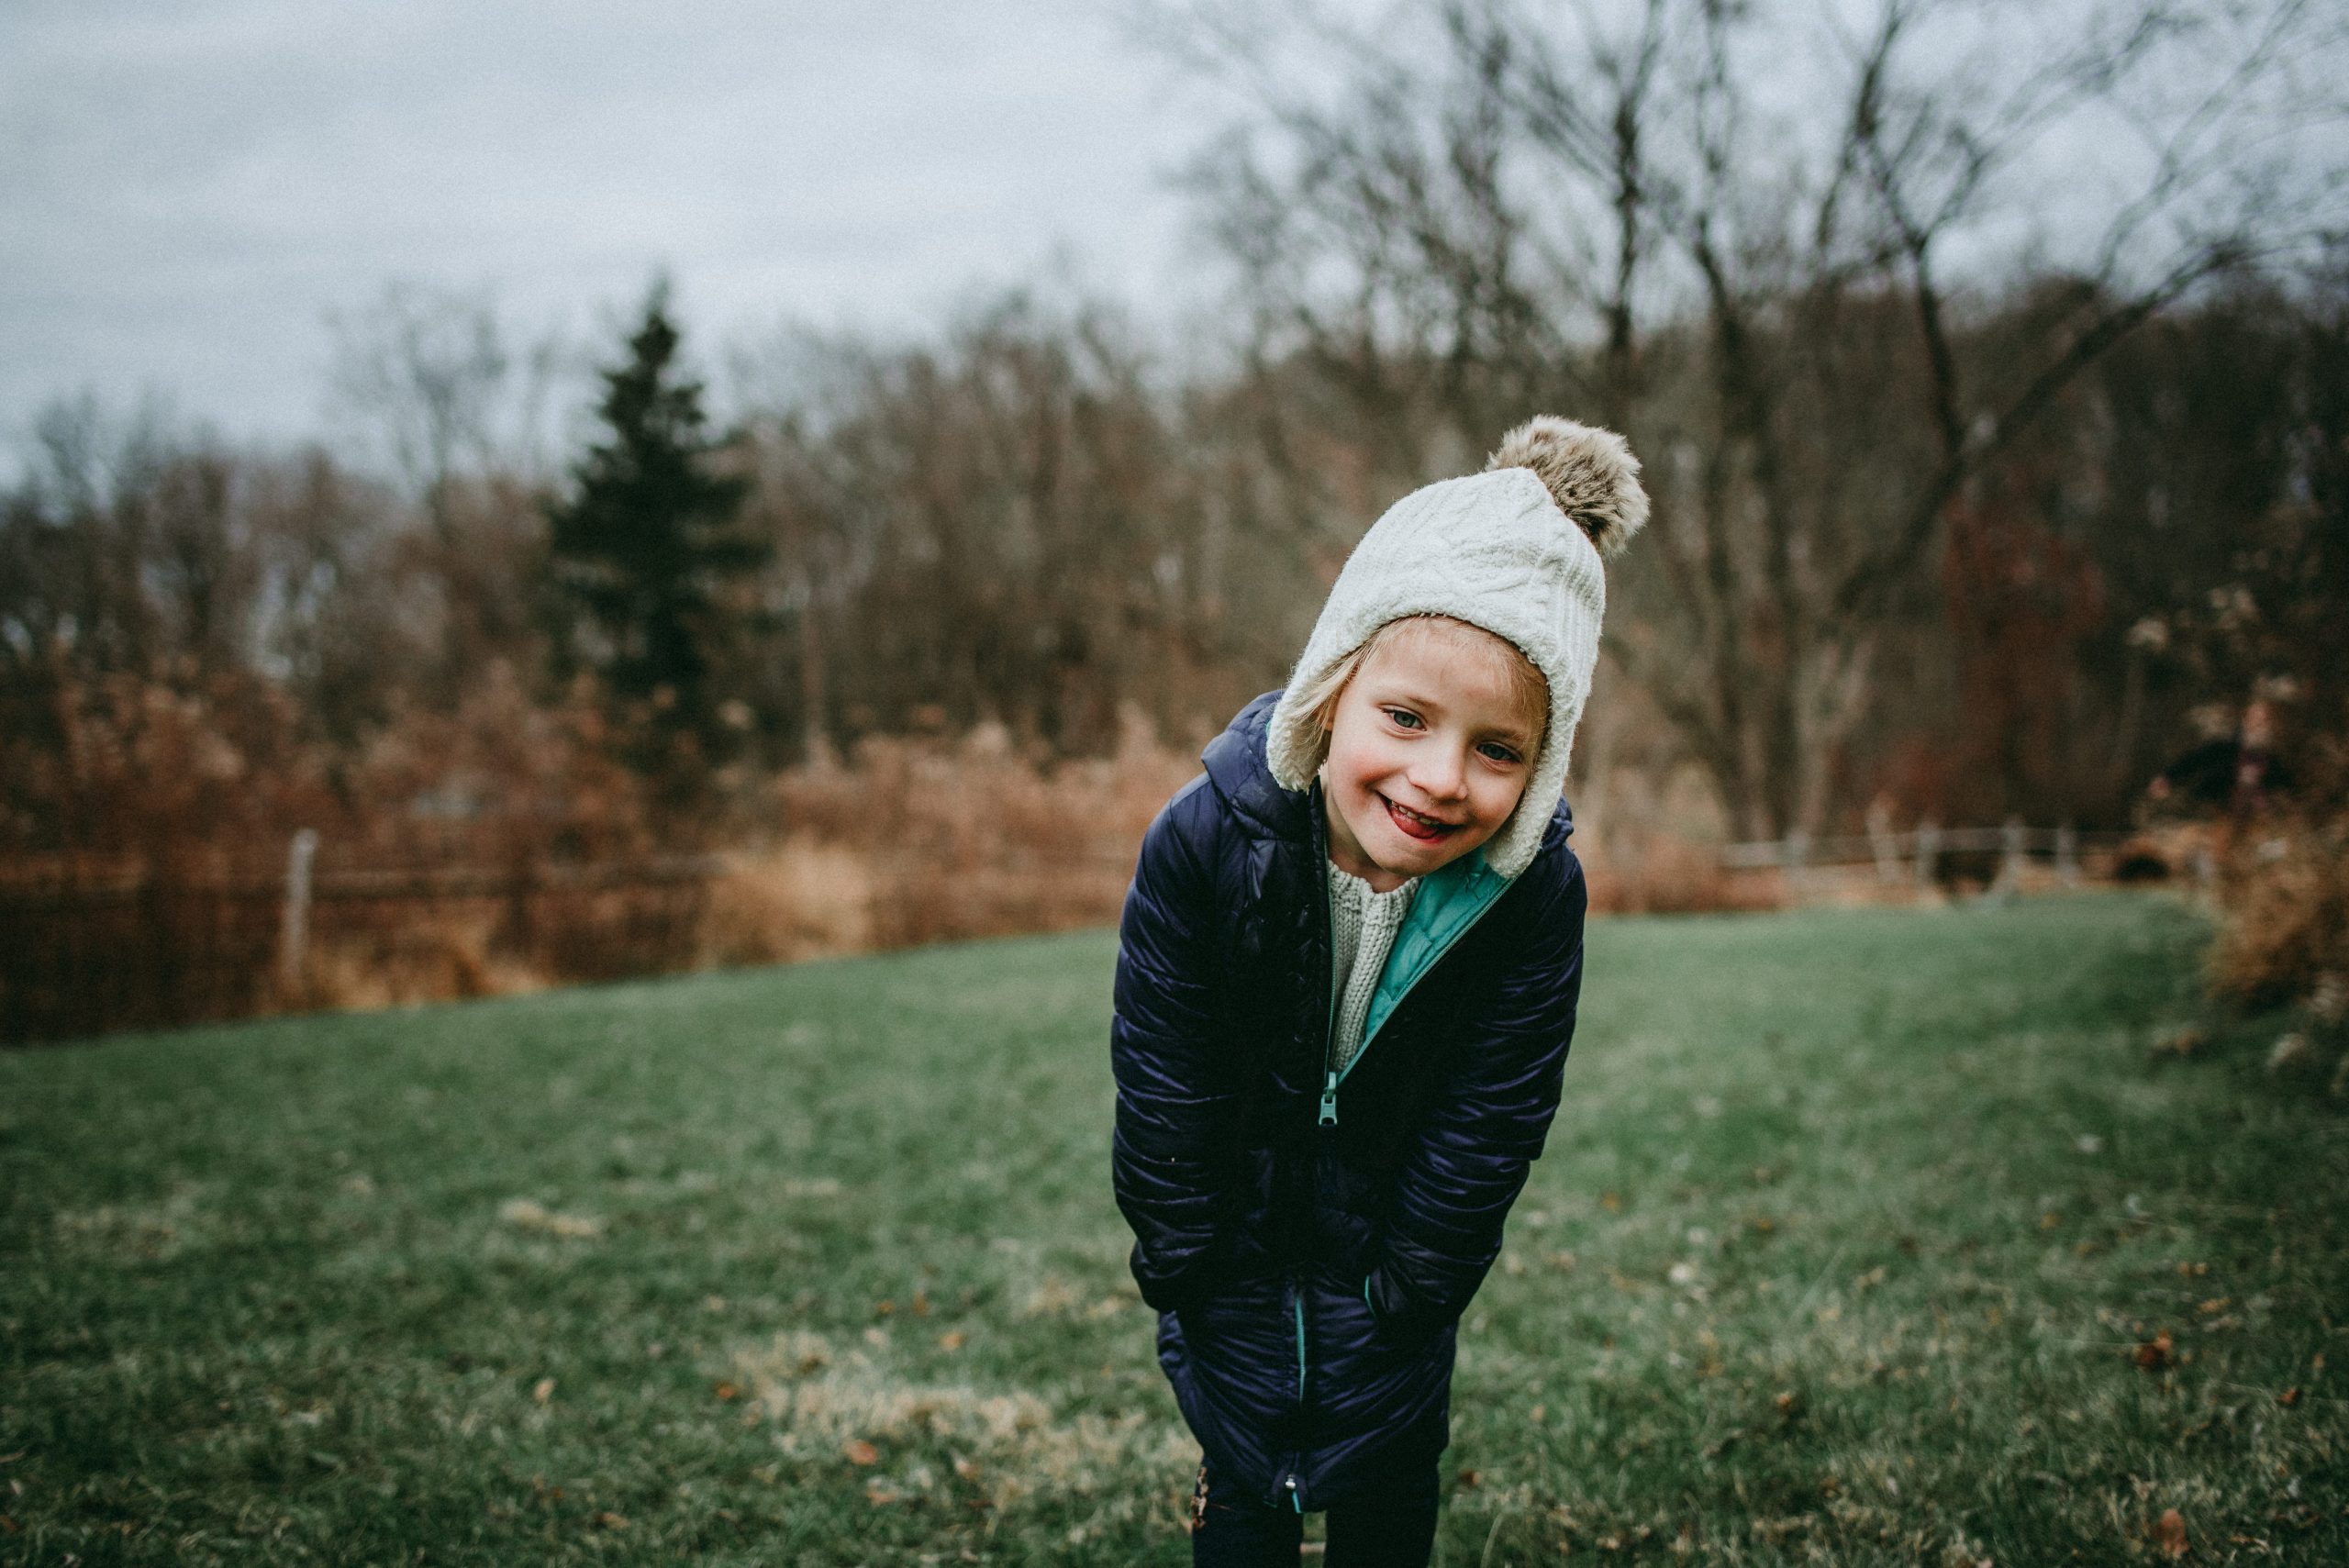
[[1414, 857]]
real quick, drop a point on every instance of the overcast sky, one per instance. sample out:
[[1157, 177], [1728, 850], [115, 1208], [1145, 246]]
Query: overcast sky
[[188, 188]]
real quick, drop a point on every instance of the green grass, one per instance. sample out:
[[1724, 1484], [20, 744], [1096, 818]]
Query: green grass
[[1848, 1231]]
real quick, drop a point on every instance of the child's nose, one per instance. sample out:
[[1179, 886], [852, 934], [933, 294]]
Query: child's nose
[[1442, 776]]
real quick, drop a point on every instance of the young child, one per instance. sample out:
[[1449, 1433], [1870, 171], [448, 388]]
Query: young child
[[1346, 981]]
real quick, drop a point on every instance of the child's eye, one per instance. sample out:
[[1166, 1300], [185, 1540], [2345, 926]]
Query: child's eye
[[1499, 752], [1403, 717]]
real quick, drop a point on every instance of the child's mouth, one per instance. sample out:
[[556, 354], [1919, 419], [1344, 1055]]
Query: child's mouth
[[1426, 829]]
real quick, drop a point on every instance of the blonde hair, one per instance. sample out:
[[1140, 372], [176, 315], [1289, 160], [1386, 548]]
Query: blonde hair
[[1528, 689]]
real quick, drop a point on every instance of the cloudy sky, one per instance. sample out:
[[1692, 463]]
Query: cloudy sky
[[190, 188]]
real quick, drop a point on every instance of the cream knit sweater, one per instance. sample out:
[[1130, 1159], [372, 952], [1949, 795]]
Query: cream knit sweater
[[1362, 931]]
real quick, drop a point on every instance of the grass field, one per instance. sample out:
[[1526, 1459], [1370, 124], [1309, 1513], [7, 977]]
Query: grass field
[[1862, 1237]]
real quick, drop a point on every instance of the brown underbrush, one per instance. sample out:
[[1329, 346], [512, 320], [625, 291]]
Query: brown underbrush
[[1650, 872], [2282, 896], [499, 850]]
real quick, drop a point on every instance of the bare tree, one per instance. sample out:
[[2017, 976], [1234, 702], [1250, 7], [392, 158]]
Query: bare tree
[[1784, 281], [429, 376]]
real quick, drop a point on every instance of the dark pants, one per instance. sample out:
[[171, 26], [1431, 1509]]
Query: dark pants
[[1388, 1524]]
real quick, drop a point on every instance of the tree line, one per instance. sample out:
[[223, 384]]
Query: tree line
[[1953, 516]]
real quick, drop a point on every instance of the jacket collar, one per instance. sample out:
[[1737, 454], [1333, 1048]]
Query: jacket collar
[[1236, 766]]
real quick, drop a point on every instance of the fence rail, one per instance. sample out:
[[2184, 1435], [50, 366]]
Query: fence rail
[[1924, 854], [90, 945]]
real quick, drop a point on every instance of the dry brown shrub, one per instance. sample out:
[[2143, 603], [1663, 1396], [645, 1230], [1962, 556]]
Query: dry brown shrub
[[503, 780], [968, 837], [1645, 871], [432, 957], [804, 899], [187, 772], [2284, 911]]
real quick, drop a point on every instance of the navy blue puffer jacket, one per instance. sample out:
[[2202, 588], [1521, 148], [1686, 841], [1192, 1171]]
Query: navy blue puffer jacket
[[1310, 1240]]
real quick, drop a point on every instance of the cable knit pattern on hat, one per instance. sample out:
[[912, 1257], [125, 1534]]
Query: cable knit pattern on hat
[[1500, 550], [1362, 933]]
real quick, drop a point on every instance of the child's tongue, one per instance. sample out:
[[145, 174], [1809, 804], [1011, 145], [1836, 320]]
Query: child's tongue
[[1426, 832]]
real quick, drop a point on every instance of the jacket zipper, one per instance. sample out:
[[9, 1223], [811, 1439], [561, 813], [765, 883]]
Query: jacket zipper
[[1330, 1076], [1296, 1305], [1329, 1101], [1328, 1117]]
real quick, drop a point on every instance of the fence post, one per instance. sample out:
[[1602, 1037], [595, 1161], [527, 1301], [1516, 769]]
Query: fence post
[[2014, 846], [1928, 854], [1883, 842], [294, 930], [2067, 855]]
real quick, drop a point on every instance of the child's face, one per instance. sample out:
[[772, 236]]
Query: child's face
[[1430, 749]]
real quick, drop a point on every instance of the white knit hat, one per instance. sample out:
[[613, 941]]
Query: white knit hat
[[1497, 550]]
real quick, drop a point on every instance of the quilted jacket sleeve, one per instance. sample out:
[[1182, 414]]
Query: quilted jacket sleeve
[[1487, 1126], [1170, 1152]]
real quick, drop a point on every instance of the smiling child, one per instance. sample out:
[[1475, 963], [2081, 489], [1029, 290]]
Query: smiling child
[[1347, 978]]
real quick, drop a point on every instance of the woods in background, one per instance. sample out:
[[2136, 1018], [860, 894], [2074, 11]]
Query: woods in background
[[1978, 494]]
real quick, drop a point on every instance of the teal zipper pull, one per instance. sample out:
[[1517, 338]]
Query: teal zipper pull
[[1329, 1101]]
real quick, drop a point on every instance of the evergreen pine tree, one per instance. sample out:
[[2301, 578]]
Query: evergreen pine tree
[[643, 554]]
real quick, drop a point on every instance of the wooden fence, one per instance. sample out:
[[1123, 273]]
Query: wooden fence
[[90, 944], [1928, 857]]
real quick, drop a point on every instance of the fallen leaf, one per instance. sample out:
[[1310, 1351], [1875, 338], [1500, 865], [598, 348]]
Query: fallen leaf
[[921, 1303], [879, 1497], [524, 1215], [1611, 1201], [2290, 1396], [2157, 1352], [965, 1468], [728, 1391], [884, 1307], [1468, 1479], [952, 1339], [859, 1452], [2169, 1533], [544, 1390], [604, 1518], [1538, 1412]]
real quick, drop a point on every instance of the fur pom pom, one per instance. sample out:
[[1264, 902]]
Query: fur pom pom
[[1590, 472]]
